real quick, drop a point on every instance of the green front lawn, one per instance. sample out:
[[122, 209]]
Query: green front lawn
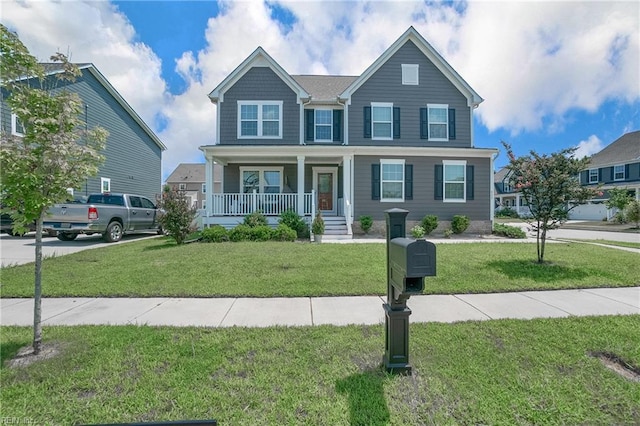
[[491, 372], [157, 267]]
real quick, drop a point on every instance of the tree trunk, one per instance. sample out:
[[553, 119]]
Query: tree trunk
[[538, 241], [37, 301], [541, 244]]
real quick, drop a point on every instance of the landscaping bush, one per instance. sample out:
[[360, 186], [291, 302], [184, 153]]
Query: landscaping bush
[[240, 233], [459, 224], [255, 219], [293, 221], [507, 212], [633, 212], [177, 214], [429, 223], [261, 233], [283, 233], [508, 231], [215, 234], [366, 222], [417, 232]]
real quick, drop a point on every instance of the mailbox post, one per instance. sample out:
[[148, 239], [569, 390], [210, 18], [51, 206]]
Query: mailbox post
[[408, 262]]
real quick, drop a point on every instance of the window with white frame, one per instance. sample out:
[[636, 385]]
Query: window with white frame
[[204, 188], [593, 175], [382, 121], [454, 181], [182, 186], [105, 184], [260, 119], [618, 172], [410, 74], [392, 180], [438, 116], [17, 129], [263, 180], [324, 125]]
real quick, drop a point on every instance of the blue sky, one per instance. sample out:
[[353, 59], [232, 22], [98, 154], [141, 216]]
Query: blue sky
[[553, 74]]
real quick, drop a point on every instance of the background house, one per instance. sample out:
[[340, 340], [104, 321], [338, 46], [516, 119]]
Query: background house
[[399, 135], [133, 153], [190, 177], [506, 196]]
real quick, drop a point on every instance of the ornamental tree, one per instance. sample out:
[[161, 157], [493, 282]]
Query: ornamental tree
[[177, 215], [550, 185], [619, 198], [55, 152]]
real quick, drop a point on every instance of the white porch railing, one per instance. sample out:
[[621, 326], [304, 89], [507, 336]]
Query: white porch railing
[[269, 204]]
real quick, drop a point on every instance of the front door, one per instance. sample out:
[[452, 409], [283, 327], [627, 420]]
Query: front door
[[325, 184]]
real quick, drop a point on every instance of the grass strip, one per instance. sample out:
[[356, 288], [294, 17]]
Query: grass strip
[[157, 267], [491, 372]]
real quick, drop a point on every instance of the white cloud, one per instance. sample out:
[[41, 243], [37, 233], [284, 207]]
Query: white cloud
[[587, 148]]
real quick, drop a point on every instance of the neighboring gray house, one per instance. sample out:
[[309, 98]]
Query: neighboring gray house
[[399, 135], [615, 166], [190, 178], [133, 153]]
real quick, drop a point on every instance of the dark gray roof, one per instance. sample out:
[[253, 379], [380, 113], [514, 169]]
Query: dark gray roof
[[624, 150], [500, 174], [324, 87], [187, 172]]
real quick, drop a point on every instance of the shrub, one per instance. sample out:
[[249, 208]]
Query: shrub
[[283, 233], [508, 231], [215, 234], [366, 222], [448, 233], [317, 226], [261, 233], [459, 224], [255, 219], [240, 233], [177, 214], [417, 231], [293, 221], [633, 212], [429, 223], [507, 212]]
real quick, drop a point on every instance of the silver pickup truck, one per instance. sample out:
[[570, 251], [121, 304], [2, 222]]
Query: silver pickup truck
[[111, 215]]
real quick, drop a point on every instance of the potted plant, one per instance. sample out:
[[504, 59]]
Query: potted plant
[[317, 227]]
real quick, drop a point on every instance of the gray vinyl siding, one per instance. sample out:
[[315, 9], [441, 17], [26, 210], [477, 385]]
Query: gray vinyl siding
[[259, 84], [385, 85], [423, 202], [132, 158]]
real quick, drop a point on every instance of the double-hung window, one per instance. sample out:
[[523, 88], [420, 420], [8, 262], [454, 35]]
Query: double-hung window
[[593, 175], [618, 172], [323, 125], [438, 116], [382, 121], [392, 180], [454, 181], [17, 129], [263, 180], [259, 119], [105, 185]]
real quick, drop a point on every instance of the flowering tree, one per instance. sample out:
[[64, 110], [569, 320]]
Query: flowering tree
[[550, 185], [55, 151]]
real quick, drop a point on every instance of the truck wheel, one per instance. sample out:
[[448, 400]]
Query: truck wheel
[[66, 236], [114, 232]]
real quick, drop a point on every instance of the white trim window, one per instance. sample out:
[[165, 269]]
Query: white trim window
[[438, 116], [381, 121], [410, 74], [593, 175], [266, 180], [259, 119], [204, 188], [392, 180], [182, 186], [455, 181], [323, 123], [105, 185], [618, 172], [17, 129]]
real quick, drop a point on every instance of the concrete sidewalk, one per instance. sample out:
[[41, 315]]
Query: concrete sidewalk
[[310, 311]]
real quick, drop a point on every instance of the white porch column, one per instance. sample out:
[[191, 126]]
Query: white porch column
[[518, 203], [208, 178], [346, 183], [300, 189]]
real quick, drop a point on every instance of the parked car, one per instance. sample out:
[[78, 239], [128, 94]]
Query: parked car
[[111, 215]]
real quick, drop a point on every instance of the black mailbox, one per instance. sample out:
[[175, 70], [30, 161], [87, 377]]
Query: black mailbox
[[409, 262]]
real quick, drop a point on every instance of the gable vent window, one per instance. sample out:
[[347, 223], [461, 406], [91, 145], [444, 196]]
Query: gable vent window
[[410, 74]]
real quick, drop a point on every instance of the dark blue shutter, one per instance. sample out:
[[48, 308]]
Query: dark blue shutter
[[309, 116], [408, 181], [626, 172], [337, 125], [367, 122], [396, 122], [439, 183], [452, 124], [470, 182], [424, 124], [375, 181]]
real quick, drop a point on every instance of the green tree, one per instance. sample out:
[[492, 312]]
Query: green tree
[[633, 212], [551, 187], [177, 214], [56, 151], [619, 198]]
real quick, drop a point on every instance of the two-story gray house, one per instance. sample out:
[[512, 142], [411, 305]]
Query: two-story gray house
[[398, 135], [190, 178], [133, 153]]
